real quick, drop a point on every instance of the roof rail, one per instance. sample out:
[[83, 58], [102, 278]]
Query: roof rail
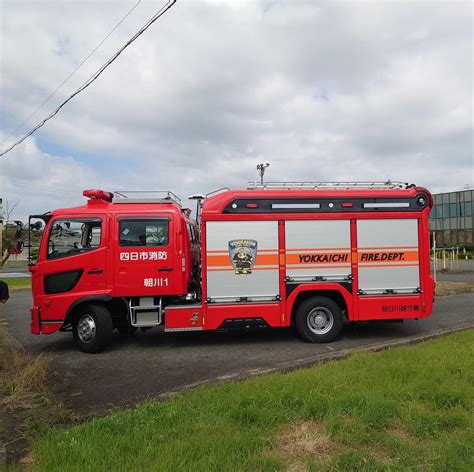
[[389, 184], [145, 196]]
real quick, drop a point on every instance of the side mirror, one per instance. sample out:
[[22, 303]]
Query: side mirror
[[36, 226]]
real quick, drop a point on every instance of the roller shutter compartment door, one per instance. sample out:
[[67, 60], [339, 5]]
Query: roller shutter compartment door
[[242, 260], [317, 249], [388, 256]]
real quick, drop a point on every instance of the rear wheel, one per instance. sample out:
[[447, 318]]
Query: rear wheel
[[319, 320], [92, 328]]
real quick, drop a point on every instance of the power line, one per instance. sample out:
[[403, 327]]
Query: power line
[[94, 76], [52, 94], [37, 187], [18, 178]]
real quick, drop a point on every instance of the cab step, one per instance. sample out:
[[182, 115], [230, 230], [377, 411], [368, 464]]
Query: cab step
[[145, 311]]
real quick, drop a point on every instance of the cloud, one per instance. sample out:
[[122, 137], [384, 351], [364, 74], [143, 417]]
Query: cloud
[[42, 182], [321, 90]]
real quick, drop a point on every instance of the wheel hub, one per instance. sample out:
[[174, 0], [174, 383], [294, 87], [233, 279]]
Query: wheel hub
[[86, 329], [320, 320]]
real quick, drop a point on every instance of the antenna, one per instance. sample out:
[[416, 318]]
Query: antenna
[[261, 170]]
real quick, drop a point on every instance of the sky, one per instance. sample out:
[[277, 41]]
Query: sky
[[322, 90]]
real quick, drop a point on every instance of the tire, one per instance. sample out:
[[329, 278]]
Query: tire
[[319, 320], [92, 328]]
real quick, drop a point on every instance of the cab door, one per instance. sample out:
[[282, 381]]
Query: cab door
[[145, 263], [73, 264]]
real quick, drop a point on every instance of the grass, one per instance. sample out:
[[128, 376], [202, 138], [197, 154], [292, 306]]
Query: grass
[[444, 288], [18, 283], [21, 374], [24, 398], [14, 264], [402, 409]]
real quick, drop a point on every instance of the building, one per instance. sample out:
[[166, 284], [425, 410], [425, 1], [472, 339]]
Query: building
[[452, 218]]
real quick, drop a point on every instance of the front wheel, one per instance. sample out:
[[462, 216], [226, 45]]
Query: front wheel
[[92, 328], [319, 320]]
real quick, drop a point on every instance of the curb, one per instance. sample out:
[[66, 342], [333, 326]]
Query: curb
[[314, 361]]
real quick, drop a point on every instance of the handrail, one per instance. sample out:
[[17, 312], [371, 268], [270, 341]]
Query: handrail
[[326, 185], [156, 195]]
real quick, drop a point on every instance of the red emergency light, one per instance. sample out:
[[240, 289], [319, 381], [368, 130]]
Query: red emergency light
[[95, 194]]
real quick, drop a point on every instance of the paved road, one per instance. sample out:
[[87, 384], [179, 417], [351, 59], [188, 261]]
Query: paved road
[[152, 363], [455, 276]]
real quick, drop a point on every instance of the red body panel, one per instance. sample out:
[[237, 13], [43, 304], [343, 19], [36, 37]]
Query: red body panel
[[184, 317], [217, 314]]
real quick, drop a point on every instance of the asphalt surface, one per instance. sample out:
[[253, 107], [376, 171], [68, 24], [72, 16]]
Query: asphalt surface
[[150, 364]]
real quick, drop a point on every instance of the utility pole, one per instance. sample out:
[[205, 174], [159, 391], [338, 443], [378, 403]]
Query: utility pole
[[261, 170]]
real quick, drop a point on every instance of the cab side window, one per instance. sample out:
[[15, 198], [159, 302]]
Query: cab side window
[[68, 237], [143, 232]]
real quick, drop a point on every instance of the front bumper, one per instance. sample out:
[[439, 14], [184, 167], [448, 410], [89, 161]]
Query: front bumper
[[35, 325]]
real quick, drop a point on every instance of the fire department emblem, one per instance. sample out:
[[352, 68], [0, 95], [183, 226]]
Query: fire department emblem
[[242, 253]]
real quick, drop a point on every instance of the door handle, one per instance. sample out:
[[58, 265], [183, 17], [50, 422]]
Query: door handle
[[165, 269], [95, 271]]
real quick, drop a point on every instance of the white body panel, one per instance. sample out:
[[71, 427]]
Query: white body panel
[[320, 248], [223, 283], [388, 255]]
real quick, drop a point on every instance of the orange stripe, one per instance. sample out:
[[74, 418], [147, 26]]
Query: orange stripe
[[402, 256], [318, 249], [295, 258], [223, 251], [263, 259], [388, 247], [387, 265], [307, 266], [231, 269]]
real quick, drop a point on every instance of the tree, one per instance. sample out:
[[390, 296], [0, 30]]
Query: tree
[[12, 234]]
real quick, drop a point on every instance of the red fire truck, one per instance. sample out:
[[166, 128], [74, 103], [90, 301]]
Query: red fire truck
[[273, 255]]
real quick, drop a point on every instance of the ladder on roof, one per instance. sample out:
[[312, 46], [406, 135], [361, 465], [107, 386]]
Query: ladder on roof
[[145, 196], [389, 184]]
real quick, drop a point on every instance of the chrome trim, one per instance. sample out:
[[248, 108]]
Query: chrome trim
[[178, 330]]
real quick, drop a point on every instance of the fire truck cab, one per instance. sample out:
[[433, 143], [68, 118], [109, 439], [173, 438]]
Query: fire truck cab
[[308, 254]]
